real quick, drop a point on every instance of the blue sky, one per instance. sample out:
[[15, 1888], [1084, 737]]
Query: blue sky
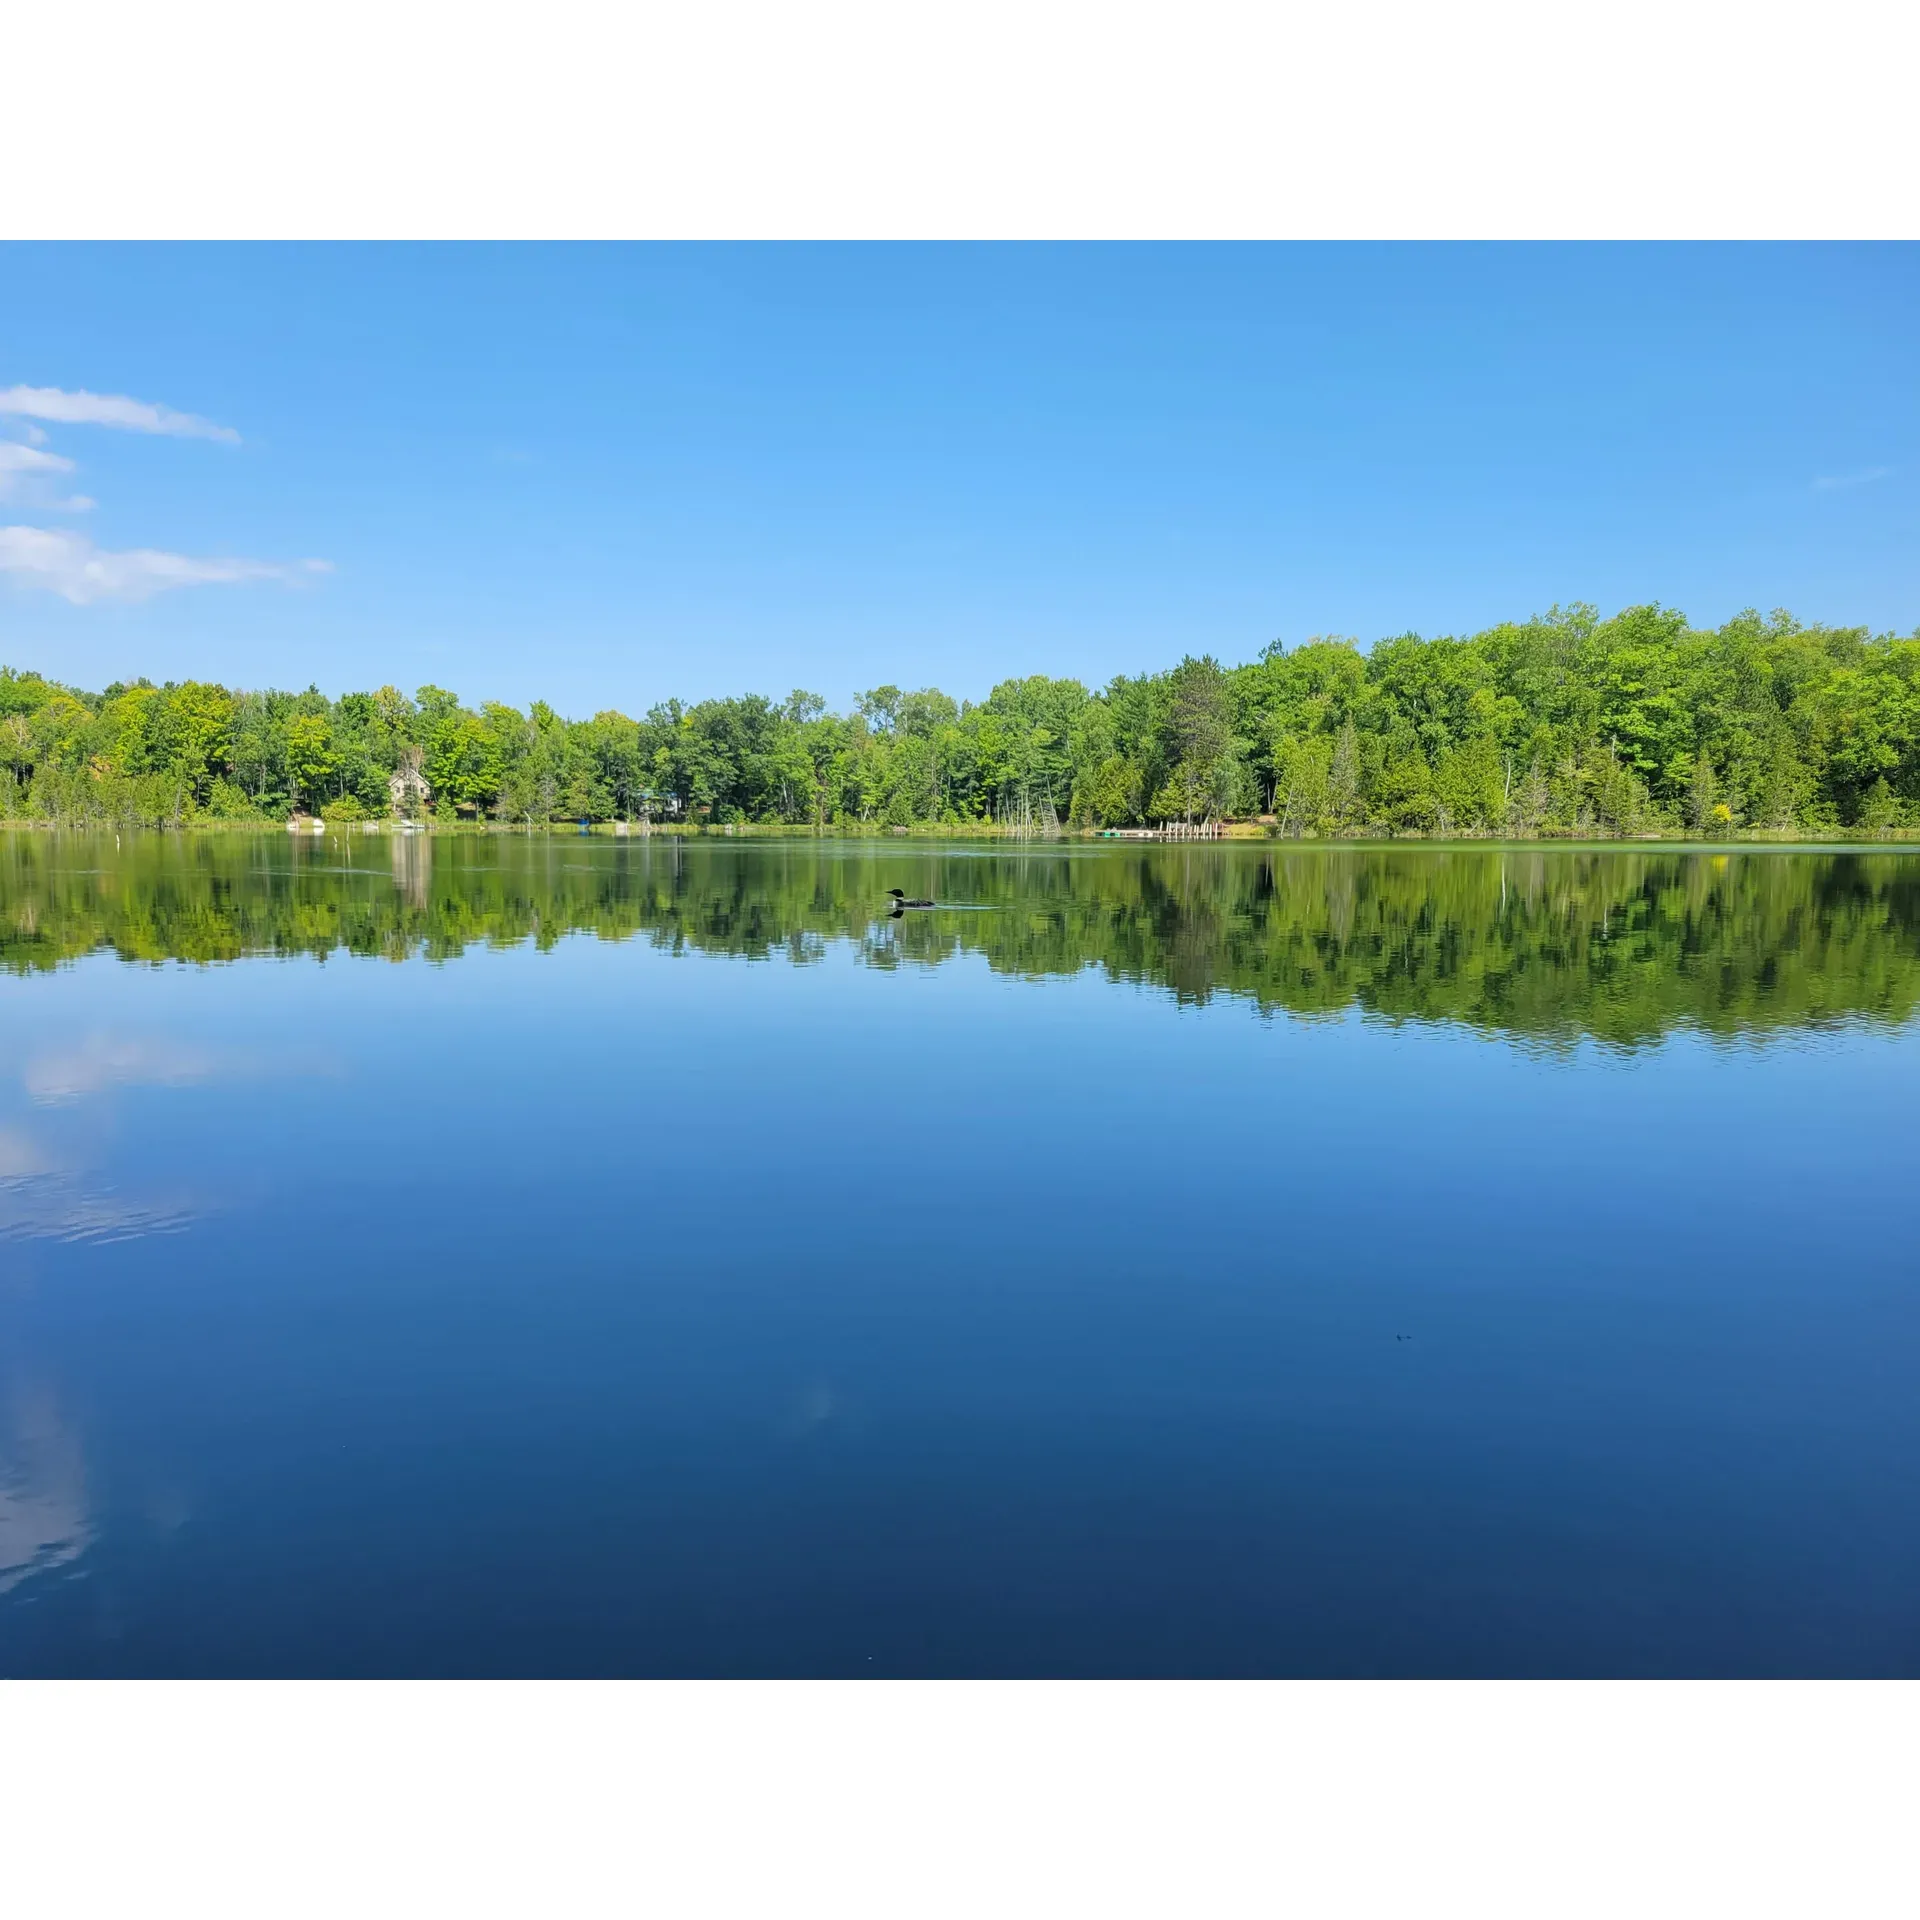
[[605, 475]]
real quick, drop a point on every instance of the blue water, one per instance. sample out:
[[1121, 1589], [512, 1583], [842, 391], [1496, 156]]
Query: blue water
[[613, 1303]]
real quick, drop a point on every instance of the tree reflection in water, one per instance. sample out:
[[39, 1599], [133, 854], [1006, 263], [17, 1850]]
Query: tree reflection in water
[[1554, 945]]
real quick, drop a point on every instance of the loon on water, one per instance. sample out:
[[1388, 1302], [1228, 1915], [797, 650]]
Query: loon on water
[[900, 900]]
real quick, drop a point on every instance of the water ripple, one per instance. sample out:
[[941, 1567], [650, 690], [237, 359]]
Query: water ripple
[[60, 1207]]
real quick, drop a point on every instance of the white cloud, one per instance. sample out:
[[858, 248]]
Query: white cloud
[[1828, 482], [44, 1511], [25, 474], [14, 458], [18, 459], [71, 565], [100, 1062], [108, 410], [22, 1157]]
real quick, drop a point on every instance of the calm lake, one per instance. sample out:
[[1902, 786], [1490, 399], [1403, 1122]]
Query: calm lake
[[587, 1256]]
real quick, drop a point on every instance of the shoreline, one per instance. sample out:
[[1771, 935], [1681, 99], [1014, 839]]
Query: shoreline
[[928, 833]]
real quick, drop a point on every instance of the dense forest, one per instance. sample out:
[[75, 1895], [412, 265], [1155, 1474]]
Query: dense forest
[[1566, 725], [1543, 944]]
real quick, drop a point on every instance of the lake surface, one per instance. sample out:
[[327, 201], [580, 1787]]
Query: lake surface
[[580, 1256]]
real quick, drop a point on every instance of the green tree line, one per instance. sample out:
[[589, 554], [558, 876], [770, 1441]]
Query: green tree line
[[1549, 945], [1566, 725]]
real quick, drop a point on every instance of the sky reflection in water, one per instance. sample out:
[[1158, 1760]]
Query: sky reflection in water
[[1209, 1260]]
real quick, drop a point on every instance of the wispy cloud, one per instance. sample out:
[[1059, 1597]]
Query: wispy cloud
[[45, 1519], [1832, 482], [26, 478], [102, 1060], [22, 1157], [15, 458], [71, 565], [83, 409]]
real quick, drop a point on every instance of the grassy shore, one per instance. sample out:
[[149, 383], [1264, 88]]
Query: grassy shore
[[1262, 832]]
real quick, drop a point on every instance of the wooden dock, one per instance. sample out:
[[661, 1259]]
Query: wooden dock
[[1177, 830]]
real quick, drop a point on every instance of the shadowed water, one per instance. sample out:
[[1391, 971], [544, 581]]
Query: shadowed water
[[569, 1255]]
